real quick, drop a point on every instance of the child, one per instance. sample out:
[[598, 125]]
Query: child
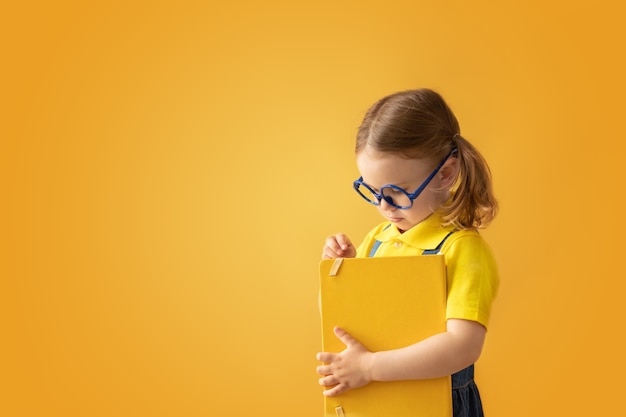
[[434, 190]]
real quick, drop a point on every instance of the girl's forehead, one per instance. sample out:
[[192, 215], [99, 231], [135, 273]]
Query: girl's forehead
[[380, 168]]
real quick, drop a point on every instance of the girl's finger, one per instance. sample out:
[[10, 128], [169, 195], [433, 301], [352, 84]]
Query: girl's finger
[[328, 381], [323, 370], [343, 241], [345, 337], [328, 253], [336, 390], [331, 242], [325, 357]]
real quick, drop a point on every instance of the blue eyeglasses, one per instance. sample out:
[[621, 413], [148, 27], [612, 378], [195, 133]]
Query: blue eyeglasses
[[392, 194]]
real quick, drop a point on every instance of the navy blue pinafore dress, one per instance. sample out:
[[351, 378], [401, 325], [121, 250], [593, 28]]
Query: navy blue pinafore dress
[[465, 396]]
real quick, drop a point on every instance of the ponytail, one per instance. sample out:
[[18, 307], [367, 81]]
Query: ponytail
[[473, 204]]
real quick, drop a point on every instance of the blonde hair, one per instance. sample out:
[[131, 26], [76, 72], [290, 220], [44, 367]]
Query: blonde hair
[[419, 124]]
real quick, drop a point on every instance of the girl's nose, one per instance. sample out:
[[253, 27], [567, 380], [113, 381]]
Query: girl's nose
[[384, 205]]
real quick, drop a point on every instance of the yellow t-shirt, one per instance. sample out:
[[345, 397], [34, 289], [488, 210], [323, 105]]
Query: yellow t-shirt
[[472, 274]]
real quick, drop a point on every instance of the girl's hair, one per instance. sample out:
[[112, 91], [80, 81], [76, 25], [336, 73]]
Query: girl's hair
[[419, 124]]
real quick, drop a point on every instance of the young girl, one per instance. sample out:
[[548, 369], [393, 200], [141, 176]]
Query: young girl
[[434, 190]]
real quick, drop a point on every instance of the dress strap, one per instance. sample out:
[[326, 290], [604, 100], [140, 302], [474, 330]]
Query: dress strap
[[439, 246], [377, 244], [374, 248]]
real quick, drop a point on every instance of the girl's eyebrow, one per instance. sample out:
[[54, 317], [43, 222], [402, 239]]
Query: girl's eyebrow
[[371, 186], [407, 187], [401, 185]]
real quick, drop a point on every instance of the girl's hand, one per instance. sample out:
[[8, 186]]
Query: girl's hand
[[338, 246], [346, 370]]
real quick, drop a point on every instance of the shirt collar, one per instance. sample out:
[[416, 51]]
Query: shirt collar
[[425, 235]]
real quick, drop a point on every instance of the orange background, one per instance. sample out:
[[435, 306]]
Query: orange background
[[169, 171]]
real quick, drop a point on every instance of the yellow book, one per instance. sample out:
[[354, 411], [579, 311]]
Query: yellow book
[[386, 303]]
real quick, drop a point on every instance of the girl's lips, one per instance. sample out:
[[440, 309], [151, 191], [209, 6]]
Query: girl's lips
[[395, 219]]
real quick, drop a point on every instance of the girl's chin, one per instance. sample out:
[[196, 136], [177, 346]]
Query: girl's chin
[[402, 224]]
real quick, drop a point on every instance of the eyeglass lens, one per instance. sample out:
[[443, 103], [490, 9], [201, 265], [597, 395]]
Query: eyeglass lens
[[393, 196]]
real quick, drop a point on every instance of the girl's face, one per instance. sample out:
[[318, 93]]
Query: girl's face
[[379, 169]]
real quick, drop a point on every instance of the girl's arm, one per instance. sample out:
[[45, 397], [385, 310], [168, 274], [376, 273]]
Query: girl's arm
[[439, 355]]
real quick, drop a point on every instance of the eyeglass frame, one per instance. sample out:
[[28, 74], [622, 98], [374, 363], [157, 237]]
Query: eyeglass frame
[[379, 196]]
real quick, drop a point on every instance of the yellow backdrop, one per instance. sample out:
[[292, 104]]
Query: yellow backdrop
[[170, 170]]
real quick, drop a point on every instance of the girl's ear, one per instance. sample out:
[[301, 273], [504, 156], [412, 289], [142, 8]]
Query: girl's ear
[[449, 172]]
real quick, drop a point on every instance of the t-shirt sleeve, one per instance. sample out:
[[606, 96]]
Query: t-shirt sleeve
[[472, 278]]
